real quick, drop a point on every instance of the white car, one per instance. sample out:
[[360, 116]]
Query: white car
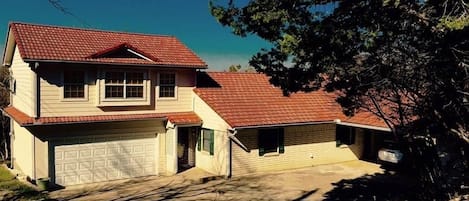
[[394, 156]]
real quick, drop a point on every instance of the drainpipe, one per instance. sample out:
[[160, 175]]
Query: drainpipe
[[175, 149], [231, 134], [36, 91], [36, 111], [12, 138]]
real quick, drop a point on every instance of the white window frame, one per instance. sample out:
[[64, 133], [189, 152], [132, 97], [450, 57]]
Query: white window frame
[[175, 86], [85, 88], [131, 101], [125, 85]]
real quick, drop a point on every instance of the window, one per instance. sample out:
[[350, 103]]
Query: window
[[74, 84], [124, 85], [271, 141], [167, 85], [345, 135], [206, 141]]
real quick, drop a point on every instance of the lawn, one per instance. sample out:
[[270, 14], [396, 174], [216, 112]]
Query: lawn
[[13, 189]]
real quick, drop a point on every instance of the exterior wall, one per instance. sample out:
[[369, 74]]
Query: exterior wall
[[41, 159], [23, 98], [161, 153], [218, 163], [171, 153], [23, 150], [358, 147], [52, 103], [304, 146], [185, 82]]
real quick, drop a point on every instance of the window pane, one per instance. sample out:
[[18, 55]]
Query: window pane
[[134, 78], [134, 92], [167, 91], [269, 140], [114, 78], [206, 140], [74, 84], [114, 91]]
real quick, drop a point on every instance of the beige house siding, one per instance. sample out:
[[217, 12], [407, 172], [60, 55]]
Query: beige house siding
[[161, 153], [23, 150], [41, 158], [23, 98], [185, 82], [53, 104], [218, 163], [304, 146]]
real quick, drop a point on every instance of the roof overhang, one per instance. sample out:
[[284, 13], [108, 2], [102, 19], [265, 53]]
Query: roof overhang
[[9, 48], [115, 64], [281, 125], [363, 126], [179, 118]]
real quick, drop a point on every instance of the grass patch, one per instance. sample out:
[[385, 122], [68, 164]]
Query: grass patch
[[17, 190]]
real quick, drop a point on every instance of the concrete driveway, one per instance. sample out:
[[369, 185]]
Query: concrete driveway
[[354, 180]]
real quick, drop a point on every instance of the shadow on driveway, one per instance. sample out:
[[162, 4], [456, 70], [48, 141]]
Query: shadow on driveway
[[356, 180]]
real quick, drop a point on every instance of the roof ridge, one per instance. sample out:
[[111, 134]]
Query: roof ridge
[[91, 29]]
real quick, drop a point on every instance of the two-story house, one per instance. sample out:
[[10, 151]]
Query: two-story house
[[91, 105]]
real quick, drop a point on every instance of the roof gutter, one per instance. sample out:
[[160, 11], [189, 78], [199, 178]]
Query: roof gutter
[[119, 64], [363, 126], [84, 122], [284, 125]]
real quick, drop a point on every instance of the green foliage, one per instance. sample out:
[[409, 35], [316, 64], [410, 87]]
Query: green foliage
[[239, 68], [19, 190], [4, 87], [405, 61], [454, 23]]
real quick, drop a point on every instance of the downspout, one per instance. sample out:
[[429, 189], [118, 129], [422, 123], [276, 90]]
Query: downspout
[[231, 134], [36, 111], [12, 138], [12, 129], [36, 91]]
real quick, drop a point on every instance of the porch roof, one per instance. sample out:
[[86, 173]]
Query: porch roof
[[178, 118]]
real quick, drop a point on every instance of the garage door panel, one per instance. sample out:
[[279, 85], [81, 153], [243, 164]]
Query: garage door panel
[[103, 158]]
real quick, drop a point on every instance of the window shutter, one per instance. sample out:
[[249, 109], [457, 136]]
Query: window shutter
[[212, 139], [260, 144], [199, 141], [281, 141]]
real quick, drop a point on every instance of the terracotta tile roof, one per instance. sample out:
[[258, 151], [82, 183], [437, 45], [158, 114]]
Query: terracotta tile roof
[[184, 118], [175, 118], [365, 118], [52, 43], [248, 99]]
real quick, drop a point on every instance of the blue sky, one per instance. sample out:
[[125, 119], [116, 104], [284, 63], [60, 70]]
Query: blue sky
[[188, 20]]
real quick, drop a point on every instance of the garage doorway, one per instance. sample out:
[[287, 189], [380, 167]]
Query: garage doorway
[[187, 139]]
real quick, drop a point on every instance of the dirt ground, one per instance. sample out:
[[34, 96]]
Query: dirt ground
[[354, 180]]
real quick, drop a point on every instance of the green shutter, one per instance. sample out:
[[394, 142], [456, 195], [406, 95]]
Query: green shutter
[[259, 143], [199, 140], [212, 139], [281, 141]]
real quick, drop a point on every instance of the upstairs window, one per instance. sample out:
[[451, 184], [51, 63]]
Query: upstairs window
[[167, 85], [74, 84], [124, 85]]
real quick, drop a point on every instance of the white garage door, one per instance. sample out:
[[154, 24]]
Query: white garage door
[[94, 159]]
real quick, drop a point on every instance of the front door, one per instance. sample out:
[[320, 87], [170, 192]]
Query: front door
[[187, 138]]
